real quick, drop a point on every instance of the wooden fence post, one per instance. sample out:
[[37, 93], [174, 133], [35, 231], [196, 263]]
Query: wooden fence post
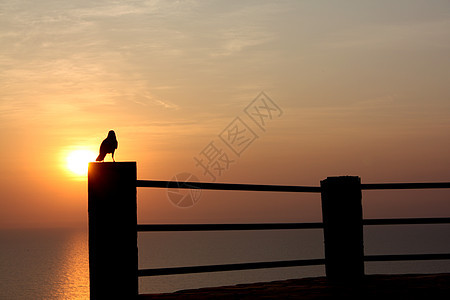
[[343, 229], [113, 256]]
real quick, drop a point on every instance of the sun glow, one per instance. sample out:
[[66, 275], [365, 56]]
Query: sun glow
[[77, 161]]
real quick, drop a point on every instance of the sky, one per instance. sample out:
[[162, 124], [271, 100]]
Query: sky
[[352, 88]]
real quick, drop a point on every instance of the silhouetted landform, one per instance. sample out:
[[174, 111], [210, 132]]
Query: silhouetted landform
[[429, 286], [109, 145]]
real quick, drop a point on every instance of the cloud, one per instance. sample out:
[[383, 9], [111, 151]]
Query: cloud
[[146, 98], [155, 8], [234, 40]]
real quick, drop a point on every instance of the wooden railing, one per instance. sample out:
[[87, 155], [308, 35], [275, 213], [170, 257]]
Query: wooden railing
[[113, 228]]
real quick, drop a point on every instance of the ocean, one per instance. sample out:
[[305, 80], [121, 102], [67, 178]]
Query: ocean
[[54, 264]]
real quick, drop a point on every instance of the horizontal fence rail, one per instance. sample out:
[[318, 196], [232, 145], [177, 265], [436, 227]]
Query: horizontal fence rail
[[281, 226], [231, 267], [227, 186], [283, 188], [282, 264], [406, 221], [405, 186], [221, 227], [403, 257]]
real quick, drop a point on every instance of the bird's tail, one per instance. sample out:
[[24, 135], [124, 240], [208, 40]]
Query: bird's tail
[[101, 157]]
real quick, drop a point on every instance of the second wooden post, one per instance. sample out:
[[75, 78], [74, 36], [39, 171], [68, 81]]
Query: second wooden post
[[343, 228]]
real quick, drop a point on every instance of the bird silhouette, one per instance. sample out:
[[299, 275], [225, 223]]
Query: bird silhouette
[[109, 145]]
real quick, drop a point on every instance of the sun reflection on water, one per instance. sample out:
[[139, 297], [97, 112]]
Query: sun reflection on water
[[44, 264], [72, 278], [71, 272]]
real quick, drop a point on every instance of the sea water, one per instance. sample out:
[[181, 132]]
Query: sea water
[[54, 264], [44, 264]]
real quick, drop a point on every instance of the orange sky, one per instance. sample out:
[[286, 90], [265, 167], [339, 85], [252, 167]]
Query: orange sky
[[363, 86]]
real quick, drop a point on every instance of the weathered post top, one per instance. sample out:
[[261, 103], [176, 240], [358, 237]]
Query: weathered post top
[[99, 170], [113, 256]]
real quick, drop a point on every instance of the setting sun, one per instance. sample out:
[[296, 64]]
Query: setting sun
[[77, 161]]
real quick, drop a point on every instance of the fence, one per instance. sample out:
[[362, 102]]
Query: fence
[[113, 228]]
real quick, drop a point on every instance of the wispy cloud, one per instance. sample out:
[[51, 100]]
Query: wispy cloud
[[231, 41], [146, 98]]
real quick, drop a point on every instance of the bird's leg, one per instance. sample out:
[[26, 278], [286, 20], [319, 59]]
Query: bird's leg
[[112, 154]]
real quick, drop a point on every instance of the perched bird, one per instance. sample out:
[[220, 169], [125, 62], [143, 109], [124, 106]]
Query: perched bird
[[109, 145]]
